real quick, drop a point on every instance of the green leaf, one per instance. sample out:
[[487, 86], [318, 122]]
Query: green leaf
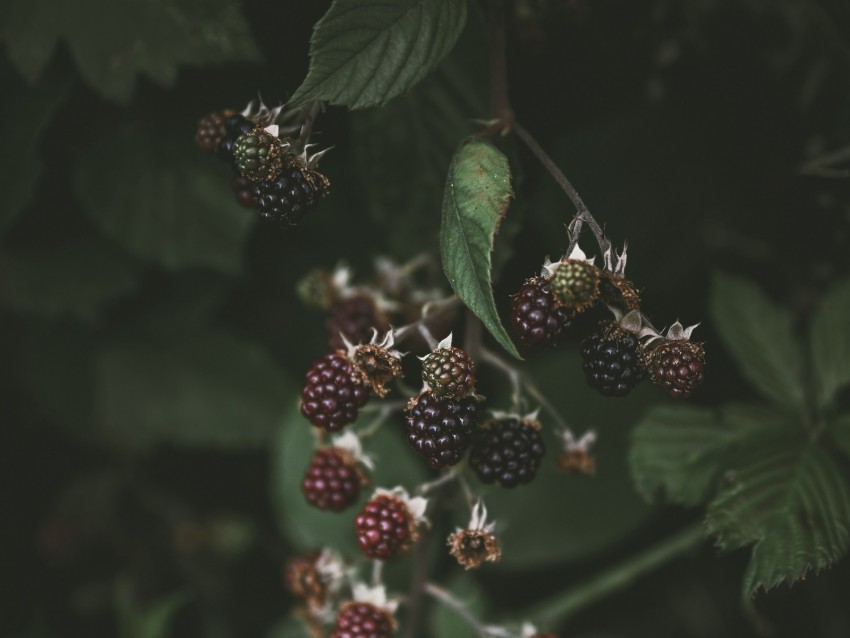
[[759, 335], [151, 622], [162, 200], [113, 42], [446, 622], [307, 527], [289, 628], [423, 126], [681, 450], [75, 277], [830, 342], [789, 499], [365, 52], [199, 389], [477, 194], [27, 112]]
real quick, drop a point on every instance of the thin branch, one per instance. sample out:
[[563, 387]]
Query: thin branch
[[446, 598], [562, 606], [446, 477], [377, 572], [500, 106], [513, 374], [430, 312], [582, 215]]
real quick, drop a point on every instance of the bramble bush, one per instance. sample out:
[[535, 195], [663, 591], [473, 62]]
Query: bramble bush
[[309, 332]]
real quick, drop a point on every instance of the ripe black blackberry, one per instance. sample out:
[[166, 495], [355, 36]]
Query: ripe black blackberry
[[211, 129], [536, 317], [441, 429], [677, 366], [612, 360], [332, 395], [363, 620], [243, 188], [449, 373], [332, 480], [507, 451], [385, 527], [286, 199], [354, 317], [234, 126]]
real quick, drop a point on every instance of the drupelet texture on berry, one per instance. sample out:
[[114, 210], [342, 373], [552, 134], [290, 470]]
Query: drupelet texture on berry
[[257, 155], [612, 360], [536, 317], [291, 195], [332, 396], [507, 451], [385, 527], [442, 429], [575, 284], [363, 620], [677, 366], [211, 130], [449, 373], [332, 480]]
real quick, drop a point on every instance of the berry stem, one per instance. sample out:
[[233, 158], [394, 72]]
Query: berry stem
[[513, 375], [446, 598], [563, 606], [430, 312], [377, 572], [500, 106], [383, 414], [446, 477], [582, 215]]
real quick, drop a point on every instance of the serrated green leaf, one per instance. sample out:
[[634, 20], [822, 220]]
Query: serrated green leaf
[[27, 112], [200, 388], [681, 450], [365, 52], [113, 42], [424, 126], [830, 342], [789, 499], [839, 431], [307, 527], [164, 201], [759, 335], [76, 277], [477, 194]]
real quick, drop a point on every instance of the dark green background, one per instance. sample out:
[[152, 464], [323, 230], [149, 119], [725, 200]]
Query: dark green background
[[139, 304]]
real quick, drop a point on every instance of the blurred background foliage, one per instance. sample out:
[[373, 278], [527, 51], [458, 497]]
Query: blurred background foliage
[[152, 344]]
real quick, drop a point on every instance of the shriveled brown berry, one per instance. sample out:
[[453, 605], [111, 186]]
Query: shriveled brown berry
[[471, 547], [303, 580]]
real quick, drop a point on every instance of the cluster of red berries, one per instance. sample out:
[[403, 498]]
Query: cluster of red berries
[[270, 174], [620, 353]]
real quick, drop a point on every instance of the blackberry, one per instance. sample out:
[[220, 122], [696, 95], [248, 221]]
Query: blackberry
[[332, 396], [449, 373], [234, 126], [536, 317], [677, 366], [243, 188], [385, 527], [354, 317], [332, 480], [363, 620], [291, 195], [575, 284], [441, 429], [612, 360], [507, 451], [257, 155], [211, 130]]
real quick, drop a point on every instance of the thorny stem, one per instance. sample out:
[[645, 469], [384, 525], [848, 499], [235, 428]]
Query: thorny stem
[[484, 631], [582, 215]]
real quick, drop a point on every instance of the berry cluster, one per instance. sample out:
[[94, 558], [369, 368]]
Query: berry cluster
[[275, 176], [620, 353]]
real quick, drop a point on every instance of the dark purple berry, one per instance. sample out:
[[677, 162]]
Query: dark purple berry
[[507, 451], [332, 396], [441, 429]]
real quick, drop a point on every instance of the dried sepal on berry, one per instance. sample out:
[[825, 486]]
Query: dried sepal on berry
[[576, 456], [355, 313], [321, 288], [674, 362], [476, 543], [376, 363], [448, 372], [315, 578], [614, 288], [574, 281]]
